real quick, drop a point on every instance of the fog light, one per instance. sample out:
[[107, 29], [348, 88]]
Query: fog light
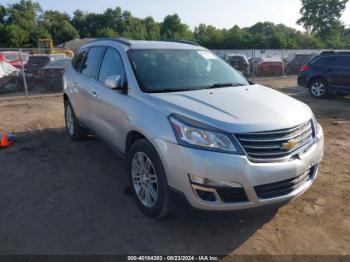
[[206, 196], [212, 182]]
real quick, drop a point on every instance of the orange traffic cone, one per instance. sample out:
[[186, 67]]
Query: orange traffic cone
[[4, 141]]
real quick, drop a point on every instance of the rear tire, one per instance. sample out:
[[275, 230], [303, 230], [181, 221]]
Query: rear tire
[[148, 180], [74, 130], [318, 88]]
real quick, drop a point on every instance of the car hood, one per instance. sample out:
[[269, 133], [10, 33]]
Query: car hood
[[236, 109]]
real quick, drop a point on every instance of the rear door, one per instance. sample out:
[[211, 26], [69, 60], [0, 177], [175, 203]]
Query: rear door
[[340, 72], [84, 84], [73, 81]]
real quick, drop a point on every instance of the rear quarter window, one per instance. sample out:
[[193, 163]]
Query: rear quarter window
[[78, 60], [322, 61]]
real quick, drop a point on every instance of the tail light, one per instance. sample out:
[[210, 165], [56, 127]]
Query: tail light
[[304, 68]]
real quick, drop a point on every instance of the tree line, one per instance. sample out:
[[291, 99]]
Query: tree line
[[24, 22]]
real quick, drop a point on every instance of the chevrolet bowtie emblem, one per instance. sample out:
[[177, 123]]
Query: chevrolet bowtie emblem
[[289, 145]]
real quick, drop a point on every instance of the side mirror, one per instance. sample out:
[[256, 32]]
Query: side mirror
[[113, 82]]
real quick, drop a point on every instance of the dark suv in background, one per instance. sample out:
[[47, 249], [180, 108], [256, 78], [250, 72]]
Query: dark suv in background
[[327, 73], [292, 67], [239, 62]]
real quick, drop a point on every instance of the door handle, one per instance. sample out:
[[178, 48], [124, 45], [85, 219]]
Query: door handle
[[93, 93], [74, 84]]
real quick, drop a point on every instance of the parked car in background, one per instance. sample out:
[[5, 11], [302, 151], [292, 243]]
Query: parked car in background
[[35, 63], [59, 57], [294, 63], [270, 66], [194, 132], [33, 67], [9, 78], [327, 73], [50, 77], [239, 62], [253, 64], [14, 58]]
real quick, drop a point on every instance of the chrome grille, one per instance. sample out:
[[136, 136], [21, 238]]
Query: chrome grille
[[277, 145]]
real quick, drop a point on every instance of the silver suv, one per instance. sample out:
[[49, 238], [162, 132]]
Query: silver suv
[[192, 129]]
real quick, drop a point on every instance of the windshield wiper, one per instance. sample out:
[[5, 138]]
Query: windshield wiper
[[220, 85], [169, 90]]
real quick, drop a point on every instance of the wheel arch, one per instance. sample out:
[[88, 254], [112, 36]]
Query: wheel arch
[[132, 137], [313, 78], [65, 97]]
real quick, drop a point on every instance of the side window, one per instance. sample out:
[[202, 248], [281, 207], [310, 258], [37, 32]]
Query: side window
[[78, 59], [92, 61], [344, 61], [112, 64], [340, 61], [321, 61], [334, 61], [11, 57]]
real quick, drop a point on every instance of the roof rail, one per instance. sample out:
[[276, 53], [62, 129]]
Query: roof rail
[[335, 53], [123, 40], [119, 40], [327, 53], [183, 42]]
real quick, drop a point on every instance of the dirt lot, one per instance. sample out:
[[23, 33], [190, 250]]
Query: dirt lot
[[60, 197]]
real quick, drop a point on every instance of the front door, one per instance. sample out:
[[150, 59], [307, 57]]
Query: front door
[[111, 119]]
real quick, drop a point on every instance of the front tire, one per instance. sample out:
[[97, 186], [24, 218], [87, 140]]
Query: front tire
[[73, 128], [318, 88], [148, 180]]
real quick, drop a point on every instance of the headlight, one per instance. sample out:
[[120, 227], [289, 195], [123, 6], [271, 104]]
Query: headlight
[[192, 136]]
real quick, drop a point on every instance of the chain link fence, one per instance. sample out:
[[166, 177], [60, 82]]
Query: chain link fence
[[27, 72]]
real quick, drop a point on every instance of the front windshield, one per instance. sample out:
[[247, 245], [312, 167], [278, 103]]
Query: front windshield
[[162, 70]]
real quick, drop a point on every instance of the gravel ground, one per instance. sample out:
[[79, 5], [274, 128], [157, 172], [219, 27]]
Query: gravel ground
[[60, 197]]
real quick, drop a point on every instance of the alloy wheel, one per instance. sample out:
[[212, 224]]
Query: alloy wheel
[[69, 120], [318, 89], [144, 179]]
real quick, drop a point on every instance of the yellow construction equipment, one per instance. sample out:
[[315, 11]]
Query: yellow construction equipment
[[45, 46]]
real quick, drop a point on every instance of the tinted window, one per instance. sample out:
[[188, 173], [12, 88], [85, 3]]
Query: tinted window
[[11, 57], [236, 60], [302, 59], [321, 61], [337, 61], [92, 61], [111, 65], [340, 61], [333, 61], [78, 59], [59, 63], [37, 61]]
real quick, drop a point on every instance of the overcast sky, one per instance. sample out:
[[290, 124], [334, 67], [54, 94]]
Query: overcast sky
[[220, 13]]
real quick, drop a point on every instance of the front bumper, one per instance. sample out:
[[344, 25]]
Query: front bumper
[[181, 161]]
